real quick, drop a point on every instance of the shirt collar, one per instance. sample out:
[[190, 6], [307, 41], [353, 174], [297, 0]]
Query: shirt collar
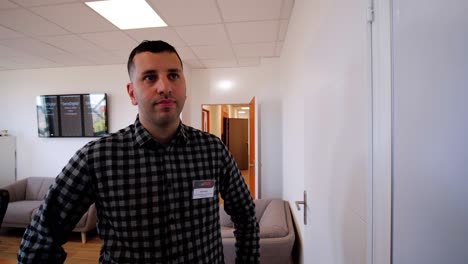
[[143, 137]]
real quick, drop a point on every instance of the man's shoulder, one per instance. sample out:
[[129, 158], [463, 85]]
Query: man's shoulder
[[118, 139], [196, 135]]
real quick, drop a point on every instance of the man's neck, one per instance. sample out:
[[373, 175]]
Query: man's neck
[[162, 134]]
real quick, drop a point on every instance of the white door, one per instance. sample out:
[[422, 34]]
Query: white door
[[337, 135], [327, 113]]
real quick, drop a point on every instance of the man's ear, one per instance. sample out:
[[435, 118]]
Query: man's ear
[[131, 93]]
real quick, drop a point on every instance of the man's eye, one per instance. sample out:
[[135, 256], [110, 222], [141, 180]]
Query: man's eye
[[173, 76], [149, 77]]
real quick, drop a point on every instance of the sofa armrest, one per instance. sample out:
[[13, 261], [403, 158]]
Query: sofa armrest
[[273, 223], [276, 248], [87, 221], [4, 199], [17, 190]]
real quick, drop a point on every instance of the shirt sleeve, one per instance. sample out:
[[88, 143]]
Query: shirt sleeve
[[239, 205], [64, 204]]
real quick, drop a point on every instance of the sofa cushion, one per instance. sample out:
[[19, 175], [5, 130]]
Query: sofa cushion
[[224, 218], [82, 221], [20, 213], [273, 231], [276, 232], [37, 187], [260, 206], [273, 222], [227, 232]]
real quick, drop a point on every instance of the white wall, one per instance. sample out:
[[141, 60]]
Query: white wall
[[326, 130], [430, 124], [261, 82], [47, 156]]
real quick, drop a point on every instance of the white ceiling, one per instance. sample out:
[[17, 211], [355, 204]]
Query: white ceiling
[[206, 33]]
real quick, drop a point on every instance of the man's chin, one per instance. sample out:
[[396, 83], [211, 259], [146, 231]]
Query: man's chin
[[166, 120]]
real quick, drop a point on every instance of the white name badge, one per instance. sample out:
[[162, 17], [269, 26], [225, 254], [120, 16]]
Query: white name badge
[[203, 189]]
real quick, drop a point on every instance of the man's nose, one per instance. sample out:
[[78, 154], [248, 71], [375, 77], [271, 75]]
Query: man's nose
[[163, 86]]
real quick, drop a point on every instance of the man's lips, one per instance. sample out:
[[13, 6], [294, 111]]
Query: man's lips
[[165, 102]]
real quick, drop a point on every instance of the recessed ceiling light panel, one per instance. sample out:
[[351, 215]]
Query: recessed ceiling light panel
[[128, 14]]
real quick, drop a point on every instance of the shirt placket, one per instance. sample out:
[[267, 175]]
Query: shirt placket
[[170, 201]]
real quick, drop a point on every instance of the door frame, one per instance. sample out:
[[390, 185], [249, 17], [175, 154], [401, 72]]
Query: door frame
[[255, 191], [205, 120], [381, 186]]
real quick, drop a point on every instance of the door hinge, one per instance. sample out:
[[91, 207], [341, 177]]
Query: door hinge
[[370, 14]]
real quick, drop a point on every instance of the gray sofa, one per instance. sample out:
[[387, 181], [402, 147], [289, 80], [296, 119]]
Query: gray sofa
[[276, 232], [26, 196]]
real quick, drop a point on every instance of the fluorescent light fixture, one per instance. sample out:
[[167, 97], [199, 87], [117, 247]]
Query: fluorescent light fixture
[[245, 108], [128, 14], [241, 112]]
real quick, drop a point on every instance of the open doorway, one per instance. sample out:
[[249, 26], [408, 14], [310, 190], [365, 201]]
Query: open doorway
[[234, 124]]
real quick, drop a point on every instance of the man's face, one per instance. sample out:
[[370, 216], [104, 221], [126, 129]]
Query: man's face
[[158, 88]]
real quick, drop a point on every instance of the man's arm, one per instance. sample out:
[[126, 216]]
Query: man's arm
[[66, 201], [239, 205]]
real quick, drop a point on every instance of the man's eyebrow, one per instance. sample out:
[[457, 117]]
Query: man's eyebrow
[[149, 72], [175, 70]]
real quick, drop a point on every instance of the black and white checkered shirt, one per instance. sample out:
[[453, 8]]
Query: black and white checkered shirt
[[144, 195]]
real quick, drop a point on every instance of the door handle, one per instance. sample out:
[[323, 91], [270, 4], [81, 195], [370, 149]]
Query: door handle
[[303, 202]]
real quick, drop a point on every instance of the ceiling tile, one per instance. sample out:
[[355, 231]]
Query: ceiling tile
[[115, 40], [9, 52], [278, 48], [220, 63], [248, 10], [203, 35], [122, 54], [6, 33], [249, 61], [29, 3], [186, 53], [7, 4], [283, 29], [213, 52], [31, 46], [75, 17], [71, 43], [102, 58], [69, 60], [286, 9], [28, 23], [194, 64], [193, 12], [255, 50], [27, 62], [220, 33], [247, 32], [162, 33]]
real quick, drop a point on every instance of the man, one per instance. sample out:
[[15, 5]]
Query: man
[[155, 183]]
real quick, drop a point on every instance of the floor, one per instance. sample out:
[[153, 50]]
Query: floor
[[78, 253]]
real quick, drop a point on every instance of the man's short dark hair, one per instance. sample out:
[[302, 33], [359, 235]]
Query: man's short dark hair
[[154, 46]]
